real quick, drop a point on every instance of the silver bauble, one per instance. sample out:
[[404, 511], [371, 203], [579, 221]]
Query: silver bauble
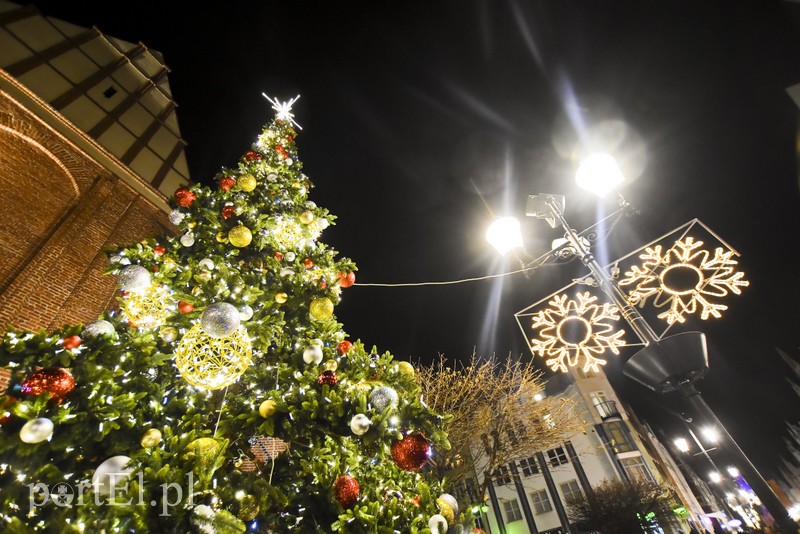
[[220, 319], [111, 474], [245, 312], [313, 354], [134, 279], [359, 424], [438, 524], [290, 256], [206, 263], [176, 216], [287, 271], [187, 239], [98, 328], [383, 397], [36, 430]]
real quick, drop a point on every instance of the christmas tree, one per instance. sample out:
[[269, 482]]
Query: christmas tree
[[223, 396]]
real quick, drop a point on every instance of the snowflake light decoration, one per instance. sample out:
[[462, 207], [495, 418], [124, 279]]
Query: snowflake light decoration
[[684, 279], [569, 329]]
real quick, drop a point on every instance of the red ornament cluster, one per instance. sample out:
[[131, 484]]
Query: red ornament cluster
[[411, 452], [281, 152], [327, 378], [346, 490], [228, 212], [184, 197], [252, 155], [185, 307], [347, 279], [55, 380], [344, 347], [226, 183]]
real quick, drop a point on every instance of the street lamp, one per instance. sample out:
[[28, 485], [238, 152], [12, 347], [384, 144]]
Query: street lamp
[[665, 364]]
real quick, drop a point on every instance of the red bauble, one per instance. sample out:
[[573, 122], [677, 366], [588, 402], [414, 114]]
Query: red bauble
[[154, 268], [344, 347], [308, 262], [185, 307], [252, 155], [323, 284], [327, 378], [278, 256], [228, 212], [55, 380], [184, 197], [158, 250], [71, 342], [226, 183], [346, 490], [5, 410], [347, 279], [411, 452]]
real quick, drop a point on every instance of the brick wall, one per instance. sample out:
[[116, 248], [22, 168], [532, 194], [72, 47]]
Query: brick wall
[[58, 209]]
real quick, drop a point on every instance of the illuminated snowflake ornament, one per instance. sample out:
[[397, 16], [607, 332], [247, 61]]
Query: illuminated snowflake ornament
[[283, 110], [570, 329], [685, 279]]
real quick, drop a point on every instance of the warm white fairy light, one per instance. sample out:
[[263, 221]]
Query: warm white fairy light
[[714, 277], [591, 318]]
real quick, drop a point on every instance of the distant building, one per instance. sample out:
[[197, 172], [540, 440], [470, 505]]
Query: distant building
[[609, 448], [89, 147]]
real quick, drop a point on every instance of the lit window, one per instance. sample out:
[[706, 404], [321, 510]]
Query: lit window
[[571, 491], [512, 510], [636, 468], [540, 501], [619, 437]]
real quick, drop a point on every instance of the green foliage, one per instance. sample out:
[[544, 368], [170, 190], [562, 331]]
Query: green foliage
[[210, 471]]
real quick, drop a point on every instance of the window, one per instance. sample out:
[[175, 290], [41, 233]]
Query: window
[[571, 491], [557, 457], [541, 503], [111, 91], [511, 509], [601, 404], [636, 468], [502, 477], [619, 436], [529, 466]]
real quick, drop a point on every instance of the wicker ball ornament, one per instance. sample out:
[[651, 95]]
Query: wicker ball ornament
[[346, 490], [55, 380], [148, 309], [213, 363], [411, 452]]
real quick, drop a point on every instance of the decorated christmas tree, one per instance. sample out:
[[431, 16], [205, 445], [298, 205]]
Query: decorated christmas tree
[[223, 396]]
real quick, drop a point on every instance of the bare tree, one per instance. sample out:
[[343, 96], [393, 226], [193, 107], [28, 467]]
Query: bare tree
[[499, 414]]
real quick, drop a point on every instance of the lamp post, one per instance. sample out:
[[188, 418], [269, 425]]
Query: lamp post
[[673, 363]]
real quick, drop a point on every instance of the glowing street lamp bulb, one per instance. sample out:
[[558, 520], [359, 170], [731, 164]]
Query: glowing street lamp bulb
[[599, 174], [504, 234], [682, 444], [711, 434], [715, 477], [732, 471]]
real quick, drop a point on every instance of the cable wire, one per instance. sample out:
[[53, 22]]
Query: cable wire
[[448, 282]]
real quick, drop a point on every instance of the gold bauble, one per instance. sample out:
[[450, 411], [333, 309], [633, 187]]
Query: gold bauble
[[168, 334], [280, 298], [331, 365], [191, 224], [222, 237], [197, 291], [149, 308], [247, 183], [268, 408], [446, 509], [240, 236], [151, 438], [204, 452], [306, 217], [321, 309], [210, 362], [204, 276], [406, 368], [248, 508]]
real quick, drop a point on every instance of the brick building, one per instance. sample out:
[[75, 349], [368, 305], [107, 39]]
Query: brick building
[[67, 189]]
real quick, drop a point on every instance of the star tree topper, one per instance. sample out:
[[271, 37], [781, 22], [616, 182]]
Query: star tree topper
[[283, 110]]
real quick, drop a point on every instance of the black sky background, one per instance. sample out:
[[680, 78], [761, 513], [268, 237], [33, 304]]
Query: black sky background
[[411, 109]]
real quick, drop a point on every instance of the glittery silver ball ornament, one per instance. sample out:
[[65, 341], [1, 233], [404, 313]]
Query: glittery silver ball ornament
[[187, 239], [359, 424], [134, 278], [220, 319], [313, 353], [36, 430], [245, 312], [98, 328], [383, 397], [206, 264], [176, 216]]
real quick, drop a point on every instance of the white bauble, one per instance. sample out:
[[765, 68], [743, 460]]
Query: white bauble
[[187, 239], [206, 264], [245, 312], [111, 474], [438, 524], [37, 430], [313, 354], [359, 424]]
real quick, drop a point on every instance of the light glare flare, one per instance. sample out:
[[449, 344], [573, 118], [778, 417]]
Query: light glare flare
[[504, 234], [599, 174]]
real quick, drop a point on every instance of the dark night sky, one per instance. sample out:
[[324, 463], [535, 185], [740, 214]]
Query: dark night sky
[[410, 109]]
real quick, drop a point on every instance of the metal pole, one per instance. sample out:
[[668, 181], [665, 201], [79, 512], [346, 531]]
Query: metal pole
[[748, 470], [523, 498]]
